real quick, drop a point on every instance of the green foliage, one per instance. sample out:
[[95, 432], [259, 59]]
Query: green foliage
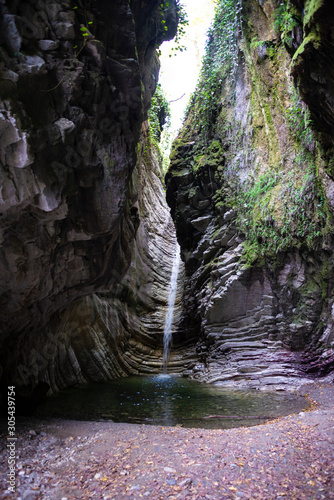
[[182, 22], [285, 22], [218, 66], [284, 205], [181, 28], [283, 209], [209, 157], [299, 121], [159, 116], [163, 8], [159, 113], [255, 43], [84, 31]]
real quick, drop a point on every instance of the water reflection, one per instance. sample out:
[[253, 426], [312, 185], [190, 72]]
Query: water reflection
[[168, 400]]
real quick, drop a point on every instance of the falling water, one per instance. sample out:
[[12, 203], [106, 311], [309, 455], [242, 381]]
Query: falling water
[[170, 310]]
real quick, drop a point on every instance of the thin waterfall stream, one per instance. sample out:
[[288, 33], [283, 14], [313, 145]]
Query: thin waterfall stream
[[170, 308]]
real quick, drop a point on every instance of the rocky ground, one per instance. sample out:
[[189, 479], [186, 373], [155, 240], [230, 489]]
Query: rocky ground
[[291, 457]]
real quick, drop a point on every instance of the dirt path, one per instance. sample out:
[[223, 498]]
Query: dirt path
[[289, 458]]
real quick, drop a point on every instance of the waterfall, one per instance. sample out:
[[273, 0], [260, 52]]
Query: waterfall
[[170, 310]]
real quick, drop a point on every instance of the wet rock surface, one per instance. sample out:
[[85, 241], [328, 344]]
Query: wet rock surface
[[105, 336], [75, 86], [86, 239], [261, 319]]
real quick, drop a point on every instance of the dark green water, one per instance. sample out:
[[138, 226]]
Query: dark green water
[[170, 401]]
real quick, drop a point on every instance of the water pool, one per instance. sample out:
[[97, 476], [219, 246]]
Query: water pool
[[170, 401]]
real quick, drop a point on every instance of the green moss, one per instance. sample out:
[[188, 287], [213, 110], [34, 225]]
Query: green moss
[[272, 138], [330, 163], [281, 204], [283, 209], [311, 6], [313, 40], [211, 157], [251, 254], [262, 117], [271, 52]]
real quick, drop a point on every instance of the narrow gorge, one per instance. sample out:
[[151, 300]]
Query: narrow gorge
[[89, 223]]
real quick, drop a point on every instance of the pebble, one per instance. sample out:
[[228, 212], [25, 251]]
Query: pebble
[[169, 469], [29, 495], [185, 482]]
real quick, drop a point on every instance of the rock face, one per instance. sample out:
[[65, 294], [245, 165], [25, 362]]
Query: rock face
[[120, 332], [87, 242], [75, 87], [250, 189]]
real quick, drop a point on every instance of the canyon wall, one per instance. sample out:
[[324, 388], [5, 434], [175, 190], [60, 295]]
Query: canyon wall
[[120, 332], [251, 189], [76, 83], [87, 241]]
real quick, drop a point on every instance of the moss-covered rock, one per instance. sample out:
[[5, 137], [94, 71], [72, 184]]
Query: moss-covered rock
[[257, 154]]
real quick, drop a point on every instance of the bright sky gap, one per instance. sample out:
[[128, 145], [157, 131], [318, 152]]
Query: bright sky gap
[[179, 73]]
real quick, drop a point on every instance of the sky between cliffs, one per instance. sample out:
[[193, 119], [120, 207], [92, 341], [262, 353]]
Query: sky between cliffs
[[179, 73]]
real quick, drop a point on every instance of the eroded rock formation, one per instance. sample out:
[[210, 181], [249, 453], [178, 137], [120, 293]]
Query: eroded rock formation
[[87, 242], [108, 335], [76, 84], [251, 192]]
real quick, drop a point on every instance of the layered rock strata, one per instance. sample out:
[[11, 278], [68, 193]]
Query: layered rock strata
[[120, 332], [250, 191], [76, 84]]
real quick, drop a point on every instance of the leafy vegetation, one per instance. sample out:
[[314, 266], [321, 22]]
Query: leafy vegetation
[[182, 22], [159, 113], [299, 121], [285, 22], [268, 167], [181, 27], [219, 65], [286, 207], [281, 209], [159, 116]]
